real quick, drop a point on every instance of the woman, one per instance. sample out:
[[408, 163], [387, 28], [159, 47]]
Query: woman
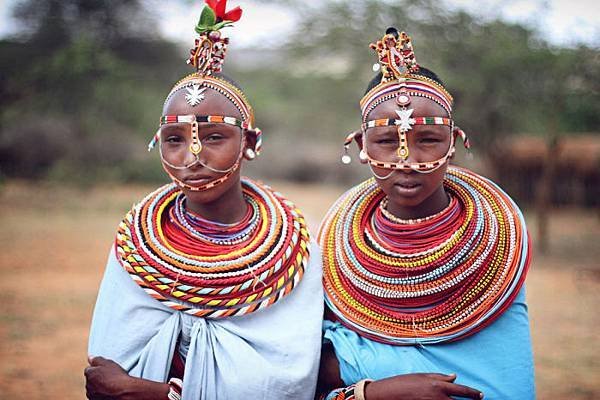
[[424, 264], [205, 294]]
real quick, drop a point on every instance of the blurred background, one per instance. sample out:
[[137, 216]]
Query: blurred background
[[81, 89]]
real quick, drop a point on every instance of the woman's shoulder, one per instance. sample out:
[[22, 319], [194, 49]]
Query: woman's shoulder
[[272, 197], [480, 183], [153, 196], [158, 192]]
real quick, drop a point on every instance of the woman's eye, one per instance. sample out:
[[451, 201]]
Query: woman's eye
[[386, 140], [213, 137], [174, 139], [430, 140]]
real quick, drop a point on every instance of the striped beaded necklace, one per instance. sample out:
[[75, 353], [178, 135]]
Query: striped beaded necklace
[[435, 280], [214, 270], [215, 232]]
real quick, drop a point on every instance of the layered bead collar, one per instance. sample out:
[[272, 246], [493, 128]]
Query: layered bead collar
[[435, 280], [214, 270]]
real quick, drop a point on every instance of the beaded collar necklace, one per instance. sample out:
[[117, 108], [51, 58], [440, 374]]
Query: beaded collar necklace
[[435, 280], [214, 270]]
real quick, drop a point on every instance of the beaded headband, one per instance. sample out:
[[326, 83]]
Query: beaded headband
[[400, 80], [195, 83], [232, 93], [410, 85]]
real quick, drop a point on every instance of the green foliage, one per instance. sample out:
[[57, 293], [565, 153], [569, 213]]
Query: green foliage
[[208, 21], [207, 17], [85, 109], [503, 77]]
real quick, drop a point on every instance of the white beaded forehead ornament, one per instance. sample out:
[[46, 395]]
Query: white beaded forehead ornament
[[400, 80]]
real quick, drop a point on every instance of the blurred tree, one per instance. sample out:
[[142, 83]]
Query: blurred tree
[[92, 69], [504, 78], [81, 86]]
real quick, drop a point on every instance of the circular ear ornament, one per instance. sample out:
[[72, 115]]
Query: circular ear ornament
[[249, 154], [363, 155]]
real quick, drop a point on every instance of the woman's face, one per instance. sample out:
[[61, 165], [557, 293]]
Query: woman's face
[[221, 145], [410, 191]]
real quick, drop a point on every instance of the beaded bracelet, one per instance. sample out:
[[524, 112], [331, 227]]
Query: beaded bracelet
[[175, 389], [359, 389], [352, 392], [346, 393]]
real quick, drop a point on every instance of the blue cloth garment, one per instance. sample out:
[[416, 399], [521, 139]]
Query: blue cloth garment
[[269, 354], [497, 360]]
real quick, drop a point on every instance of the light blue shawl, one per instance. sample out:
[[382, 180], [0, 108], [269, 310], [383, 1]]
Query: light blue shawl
[[497, 360], [269, 354]]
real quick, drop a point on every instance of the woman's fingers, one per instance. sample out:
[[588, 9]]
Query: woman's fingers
[[97, 361], [88, 371], [441, 377], [454, 389]]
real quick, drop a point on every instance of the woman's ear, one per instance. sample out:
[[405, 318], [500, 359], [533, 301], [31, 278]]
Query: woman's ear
[[251, 149], [251, 138], [455, 133], [459, 132], [358, 137], [362, 155]]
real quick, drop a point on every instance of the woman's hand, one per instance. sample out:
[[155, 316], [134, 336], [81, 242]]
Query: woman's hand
[[419, 387], [105, 379]]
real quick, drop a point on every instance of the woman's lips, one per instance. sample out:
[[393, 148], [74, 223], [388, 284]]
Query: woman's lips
[[197, 179], [407, 184], [407, 187]]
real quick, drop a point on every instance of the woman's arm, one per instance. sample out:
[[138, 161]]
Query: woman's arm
[[419, 387], [105, 379], [405, 387], [329, 371]]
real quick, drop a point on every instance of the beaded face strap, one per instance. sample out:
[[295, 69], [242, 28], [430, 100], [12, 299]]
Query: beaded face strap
[[196, 145], [400, 81], [193, 120]]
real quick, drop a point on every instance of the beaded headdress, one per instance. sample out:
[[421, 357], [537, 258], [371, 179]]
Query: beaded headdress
[[207, 58], [400, 79]]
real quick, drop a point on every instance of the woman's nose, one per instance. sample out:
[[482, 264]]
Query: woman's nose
[[191, 159]]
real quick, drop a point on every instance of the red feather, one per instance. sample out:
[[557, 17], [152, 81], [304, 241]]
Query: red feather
[[212, 4], [220, 11], [219, 6], [233, 15]]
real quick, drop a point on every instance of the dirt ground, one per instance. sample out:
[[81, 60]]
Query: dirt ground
[[55, 242]]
